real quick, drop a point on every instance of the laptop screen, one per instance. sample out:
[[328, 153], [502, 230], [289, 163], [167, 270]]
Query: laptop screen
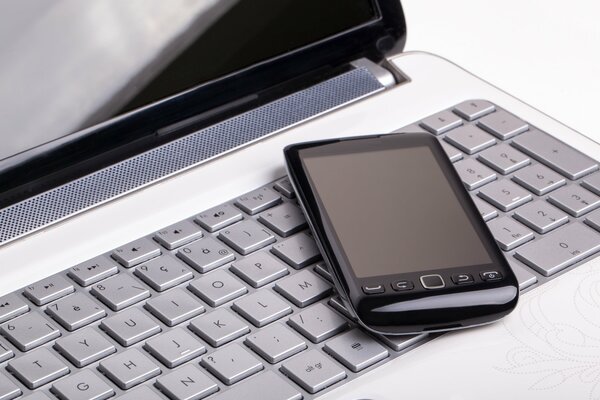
[[70, 65]]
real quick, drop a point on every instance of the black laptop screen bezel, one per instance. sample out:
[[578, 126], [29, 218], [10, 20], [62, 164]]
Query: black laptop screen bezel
[[78, 154]]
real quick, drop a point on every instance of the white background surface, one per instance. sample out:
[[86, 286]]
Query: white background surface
[[544, 52]]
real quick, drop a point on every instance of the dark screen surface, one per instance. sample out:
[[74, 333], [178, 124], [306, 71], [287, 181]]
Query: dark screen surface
[[393, 211], [249, 32]]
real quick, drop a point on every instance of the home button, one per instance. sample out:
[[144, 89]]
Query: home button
[[433, 281]]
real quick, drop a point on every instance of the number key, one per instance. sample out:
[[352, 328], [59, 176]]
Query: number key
[[541, 216], [505, 195], [539, 179], [120, 291], [509, 233], [575, 200], [29, 331], [473, 173], [75, 311]]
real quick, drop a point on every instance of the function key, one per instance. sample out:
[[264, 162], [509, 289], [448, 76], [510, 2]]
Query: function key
[[178, 234], [373, 289], [136, 252], [555, 154], [441, 122], [11, 306], [491, 276], [219, 217], [284, 186], [433, 281], [473, 109], [92, 271], [48, 290], [400, 286], [462, 279], [258, 200], [503, 125]]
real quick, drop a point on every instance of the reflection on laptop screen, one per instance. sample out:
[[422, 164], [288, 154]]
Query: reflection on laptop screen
[[79, 64]]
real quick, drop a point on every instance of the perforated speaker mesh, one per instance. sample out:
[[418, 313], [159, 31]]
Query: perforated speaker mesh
[[118, 179]]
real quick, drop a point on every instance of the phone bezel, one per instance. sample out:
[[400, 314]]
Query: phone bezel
[[473, 297]]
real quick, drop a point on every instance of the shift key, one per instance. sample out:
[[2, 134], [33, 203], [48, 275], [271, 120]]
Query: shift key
[[560, 249]]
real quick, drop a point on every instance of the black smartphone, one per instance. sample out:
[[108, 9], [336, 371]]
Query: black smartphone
[[404, 242]]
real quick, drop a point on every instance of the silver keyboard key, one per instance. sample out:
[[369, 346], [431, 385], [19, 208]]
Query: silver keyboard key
[[452, 152], [503, 125], [259, 269], [136, 252], [470, 139], [143, 392], [37, 368], [323, 271], [130, 327], [401, 342], [505, 195], [303, 288], [541, 216], [75, 311], [313, 371], [284, 186], [29, 331], [275, 343], [575, 200], [524, 275], [262, 307], [504, 158], [246, 236], [258, 200], [217, 288], [120, 291], [253, 388], [285, 219], [12, 306], [473, 173], [129, 368], [539, 179], [356, 350], [178, 234], [318, 323], [509, 233], [175, 347], [175, 307], [84, 385], [485, 209], [92, 271], [441, 122], [592, 182], [49, 289], [37, 396], [219, 217], [219, 327], [593, 220], [163, 273], [555, 154], [560, 249], [473, 109], [5, 352], [205, 254], [8, 389], [186, 383], [84, 347], [298, 251], [231, 364]]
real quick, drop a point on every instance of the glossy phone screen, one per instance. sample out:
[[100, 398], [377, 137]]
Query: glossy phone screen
[[393, 211]]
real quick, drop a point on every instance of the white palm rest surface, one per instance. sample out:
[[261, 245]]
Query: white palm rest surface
[[548, 348]]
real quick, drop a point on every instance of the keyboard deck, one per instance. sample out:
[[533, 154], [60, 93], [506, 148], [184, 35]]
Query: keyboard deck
[[235, 302]]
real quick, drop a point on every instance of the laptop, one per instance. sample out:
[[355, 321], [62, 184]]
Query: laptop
[[159, 252]]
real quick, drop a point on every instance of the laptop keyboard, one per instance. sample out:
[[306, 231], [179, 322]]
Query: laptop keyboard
[[236, 302]]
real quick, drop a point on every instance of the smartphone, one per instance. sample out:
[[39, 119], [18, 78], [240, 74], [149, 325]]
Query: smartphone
[[405, 244]]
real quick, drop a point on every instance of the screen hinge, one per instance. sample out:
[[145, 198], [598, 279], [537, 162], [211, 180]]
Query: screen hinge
[[385, 77]]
